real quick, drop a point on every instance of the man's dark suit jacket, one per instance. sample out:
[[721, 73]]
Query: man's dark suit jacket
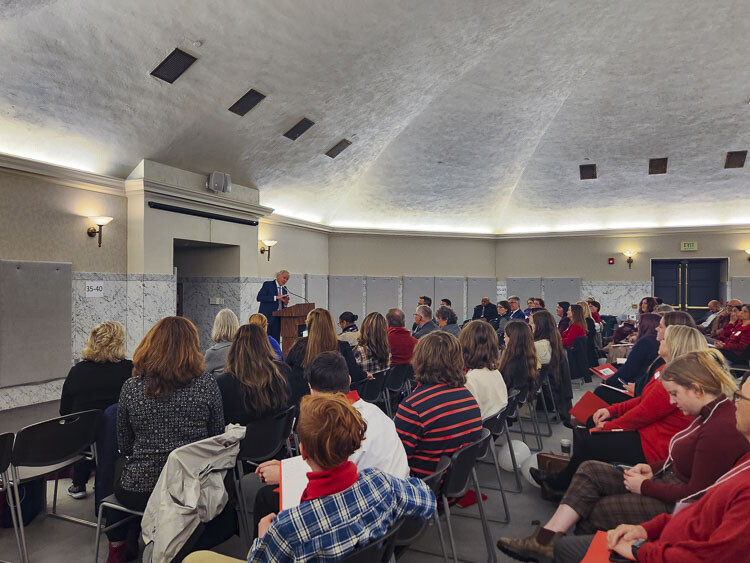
[[488, 312], [267, 298], [517, 315]]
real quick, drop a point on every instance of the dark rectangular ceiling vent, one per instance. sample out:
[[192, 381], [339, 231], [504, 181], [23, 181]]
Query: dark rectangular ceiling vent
[[735, 159], [171, 68], [295, 132], [588, 171], [657, 166], [338, 148], [247, 102]]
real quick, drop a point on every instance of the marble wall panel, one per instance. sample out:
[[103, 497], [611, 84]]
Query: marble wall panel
[[197, 294], [24, 395], [134, 312], [88, 311], [617, 298], [249, 288], [502, 291]]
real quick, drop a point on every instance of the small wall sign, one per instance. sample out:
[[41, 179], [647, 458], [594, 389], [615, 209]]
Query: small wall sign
[[94, 289], [688, 246]]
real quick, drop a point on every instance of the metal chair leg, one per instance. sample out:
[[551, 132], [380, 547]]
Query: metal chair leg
[[536, 431], [516, 470], [556, 415], [14, 490], [483, 518], [98, 532], [436, 517], [546, 415], [447, 511], [242, 519], [500, 486], [12, 506]]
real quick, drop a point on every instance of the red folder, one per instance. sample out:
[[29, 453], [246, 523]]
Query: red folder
[[587, 406], [605, 371], [598, 552]]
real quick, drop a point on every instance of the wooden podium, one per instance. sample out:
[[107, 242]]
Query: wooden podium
[[291, 318]]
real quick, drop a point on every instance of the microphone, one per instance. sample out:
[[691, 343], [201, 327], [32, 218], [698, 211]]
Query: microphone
[[292, 293]]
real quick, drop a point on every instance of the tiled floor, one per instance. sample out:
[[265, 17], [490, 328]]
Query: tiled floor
[[52, 540]]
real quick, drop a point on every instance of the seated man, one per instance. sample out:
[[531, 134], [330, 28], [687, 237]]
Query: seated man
[[343, 508], [383, 449], [725, 317], [424, 322], [402, 343], [446, 303], [423, 300], [714, 308], [713, 528], [515, 308], [485, 310]]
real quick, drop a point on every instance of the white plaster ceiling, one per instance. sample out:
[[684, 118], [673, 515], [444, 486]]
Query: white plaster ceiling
[[468, 116]]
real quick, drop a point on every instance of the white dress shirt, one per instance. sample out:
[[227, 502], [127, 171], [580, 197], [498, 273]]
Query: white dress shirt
[[381, 448]]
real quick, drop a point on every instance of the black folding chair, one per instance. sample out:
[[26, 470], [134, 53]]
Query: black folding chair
[[413, 528], [264, 439], [47, 447], [578, 360], [399, 381], [524, 399], [6, 449], [374, 391], [497, 424], [379, 550]]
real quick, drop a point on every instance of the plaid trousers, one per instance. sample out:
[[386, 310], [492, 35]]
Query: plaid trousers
[[598, 494]]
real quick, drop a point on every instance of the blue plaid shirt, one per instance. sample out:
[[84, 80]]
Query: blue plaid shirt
[[330, 527]]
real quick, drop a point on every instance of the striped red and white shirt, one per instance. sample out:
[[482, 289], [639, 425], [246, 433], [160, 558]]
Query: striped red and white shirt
[[436, 420]]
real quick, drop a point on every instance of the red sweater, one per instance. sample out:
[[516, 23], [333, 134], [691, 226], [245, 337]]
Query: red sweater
[[701, 453], [739, 338], [727, 330], [653, 417], [571, 333], [715, 528], [402, 345]]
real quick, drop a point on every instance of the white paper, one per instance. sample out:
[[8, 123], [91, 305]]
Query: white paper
[[621, 360], [607, 371], [293, 481]]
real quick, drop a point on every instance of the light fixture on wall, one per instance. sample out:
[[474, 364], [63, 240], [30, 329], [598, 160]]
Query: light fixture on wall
[[268, 244], [629, 254], [748, 253], [100, 221]]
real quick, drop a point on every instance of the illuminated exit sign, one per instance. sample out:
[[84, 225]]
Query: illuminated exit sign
[[688, 246]]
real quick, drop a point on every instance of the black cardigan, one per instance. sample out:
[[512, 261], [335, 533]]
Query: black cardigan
[[236, 411], [297, 355], [94, 385]]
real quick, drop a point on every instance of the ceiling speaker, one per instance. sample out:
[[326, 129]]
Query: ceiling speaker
[[219, 182]]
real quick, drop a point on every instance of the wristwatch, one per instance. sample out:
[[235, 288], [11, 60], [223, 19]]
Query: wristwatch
[[635, 546]]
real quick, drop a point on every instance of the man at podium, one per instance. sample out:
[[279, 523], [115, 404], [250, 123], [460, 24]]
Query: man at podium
[[272, 297]]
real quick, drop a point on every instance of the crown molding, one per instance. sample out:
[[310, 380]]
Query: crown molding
[[275, 219], [63, 176]]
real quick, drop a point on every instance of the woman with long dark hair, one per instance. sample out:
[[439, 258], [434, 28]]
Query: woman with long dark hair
[[372, 352], [577, 327], [519, 364], [254, 384], [481, 358], [562, 312], [549, 348]]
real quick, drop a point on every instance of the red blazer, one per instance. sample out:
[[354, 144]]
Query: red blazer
[[402, 345], [570, 334], [726, 332], [653, 417], [739, 338]]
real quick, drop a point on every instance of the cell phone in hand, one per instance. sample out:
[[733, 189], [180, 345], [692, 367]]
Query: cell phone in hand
[[614, 556], [623, 467]]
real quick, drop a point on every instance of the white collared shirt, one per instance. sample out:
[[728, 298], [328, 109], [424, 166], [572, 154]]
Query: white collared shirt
[[381, 448]]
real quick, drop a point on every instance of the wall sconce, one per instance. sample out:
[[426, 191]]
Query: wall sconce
[[267, 248], [629, 254], [100, 221], [748, 253]]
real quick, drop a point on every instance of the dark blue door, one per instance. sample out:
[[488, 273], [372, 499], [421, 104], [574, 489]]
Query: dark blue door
[[688, 285]]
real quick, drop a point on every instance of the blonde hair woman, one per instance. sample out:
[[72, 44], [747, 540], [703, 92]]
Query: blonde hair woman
[[262, 322], [372, 352], [222, 333], [95, 383], [601, 496], [321, 338]]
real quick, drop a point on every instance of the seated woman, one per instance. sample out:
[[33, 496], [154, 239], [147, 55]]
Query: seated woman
[[222, 333], [577, 327], [593, 357], [600, 496], [373, 352], [170, 401], [503, 312], [349, 328], [447, 320], [550, 351], [342, 509], [262, 322], [441, 415], [321, 338], [643, 427], [95, 383], [254, 384], [643, 353], [562, 312], [519, 363], [736, 344], [481, 357]]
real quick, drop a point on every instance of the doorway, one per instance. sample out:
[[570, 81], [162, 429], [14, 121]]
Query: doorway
[[688, 285]]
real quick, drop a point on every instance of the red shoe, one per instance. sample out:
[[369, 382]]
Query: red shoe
[[116, 554]]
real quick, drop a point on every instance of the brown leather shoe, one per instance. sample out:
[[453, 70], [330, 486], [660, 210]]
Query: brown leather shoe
[[528, 548]]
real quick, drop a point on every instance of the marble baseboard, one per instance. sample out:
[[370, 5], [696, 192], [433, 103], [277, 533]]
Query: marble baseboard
[[24, 395]]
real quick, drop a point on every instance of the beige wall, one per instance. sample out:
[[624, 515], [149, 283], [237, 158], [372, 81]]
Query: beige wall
[[417, 256], [299, 250], [42, 221]]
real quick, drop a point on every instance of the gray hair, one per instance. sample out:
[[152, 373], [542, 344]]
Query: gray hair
[[514, 297], [663, 308], [225, 327], [280, 272], [424, 311]]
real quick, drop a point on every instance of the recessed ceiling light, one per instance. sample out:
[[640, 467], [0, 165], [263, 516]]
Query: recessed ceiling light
[[247, 102], [295, 132], [588, 171], [338, 148], [657, 166], [735, 159]]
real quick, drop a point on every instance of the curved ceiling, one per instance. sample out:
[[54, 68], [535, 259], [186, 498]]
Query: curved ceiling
[[464, 116]]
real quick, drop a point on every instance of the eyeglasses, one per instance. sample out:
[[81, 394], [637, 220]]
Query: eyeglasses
[[736, 396]]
